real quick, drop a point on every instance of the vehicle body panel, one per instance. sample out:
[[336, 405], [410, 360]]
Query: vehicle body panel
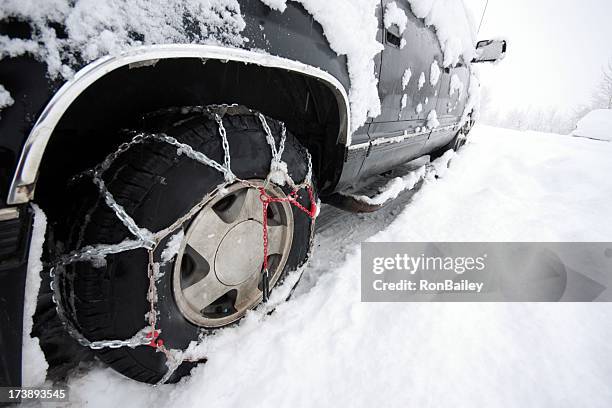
[[400, 133], [420, 50], [291, 41]]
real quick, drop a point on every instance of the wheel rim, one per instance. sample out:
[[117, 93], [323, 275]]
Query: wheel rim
[[217, 275]]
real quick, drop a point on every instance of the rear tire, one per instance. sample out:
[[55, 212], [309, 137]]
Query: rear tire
[[455, 144], [156, 186]]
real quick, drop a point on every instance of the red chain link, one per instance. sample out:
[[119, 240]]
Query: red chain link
[[155, 342], [292, 199]]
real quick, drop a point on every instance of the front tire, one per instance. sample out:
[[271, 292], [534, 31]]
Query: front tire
[[157, 186]]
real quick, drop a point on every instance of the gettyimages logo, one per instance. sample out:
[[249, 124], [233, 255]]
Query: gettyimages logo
[[411, 265], [486, 272]]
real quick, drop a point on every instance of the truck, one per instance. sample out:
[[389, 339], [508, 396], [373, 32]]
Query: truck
[[180, 173]]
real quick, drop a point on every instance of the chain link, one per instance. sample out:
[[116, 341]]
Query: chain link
[[149, 240], [139, 339], [183, 148], [226, 152], [97, 253]]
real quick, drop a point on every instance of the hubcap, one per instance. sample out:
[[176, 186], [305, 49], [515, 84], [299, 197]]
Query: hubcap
[[217, 275], [240, 253]]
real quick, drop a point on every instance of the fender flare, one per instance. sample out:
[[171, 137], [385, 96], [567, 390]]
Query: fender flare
[[24, 180]]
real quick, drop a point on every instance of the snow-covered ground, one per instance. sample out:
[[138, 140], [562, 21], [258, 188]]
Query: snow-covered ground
[[326, 348]]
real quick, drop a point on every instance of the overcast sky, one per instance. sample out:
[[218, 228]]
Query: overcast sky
[[556, 50]]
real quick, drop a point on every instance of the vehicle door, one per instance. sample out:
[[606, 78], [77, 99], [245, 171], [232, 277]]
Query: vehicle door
[[409, 83], [452, 98]]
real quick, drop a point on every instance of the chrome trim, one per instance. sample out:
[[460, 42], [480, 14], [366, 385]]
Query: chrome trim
[[9, 213], [396, 139], [24, 180], [359, 146], [444, 128]]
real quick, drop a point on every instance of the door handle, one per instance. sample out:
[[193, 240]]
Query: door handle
[[393, 39]]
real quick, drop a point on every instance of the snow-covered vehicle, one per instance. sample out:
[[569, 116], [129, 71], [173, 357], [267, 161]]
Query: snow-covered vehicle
[[179, 152], [595, 125]]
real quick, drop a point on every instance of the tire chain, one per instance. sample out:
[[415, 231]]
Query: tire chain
[[148, 335]]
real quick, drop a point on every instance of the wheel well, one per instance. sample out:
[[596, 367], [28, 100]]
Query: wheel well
[[89, 129]]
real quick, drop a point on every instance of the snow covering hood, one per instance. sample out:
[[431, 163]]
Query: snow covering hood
[[596, 124]]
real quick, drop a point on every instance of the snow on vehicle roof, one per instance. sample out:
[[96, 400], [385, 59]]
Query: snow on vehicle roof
[[596, 125]]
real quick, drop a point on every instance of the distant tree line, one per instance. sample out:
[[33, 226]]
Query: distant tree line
[[550, 120], [602, 95]]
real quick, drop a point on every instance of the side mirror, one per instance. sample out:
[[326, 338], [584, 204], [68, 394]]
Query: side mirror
[[490, 51]]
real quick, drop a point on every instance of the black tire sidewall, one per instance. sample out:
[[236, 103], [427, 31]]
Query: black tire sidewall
[[182, 186]]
